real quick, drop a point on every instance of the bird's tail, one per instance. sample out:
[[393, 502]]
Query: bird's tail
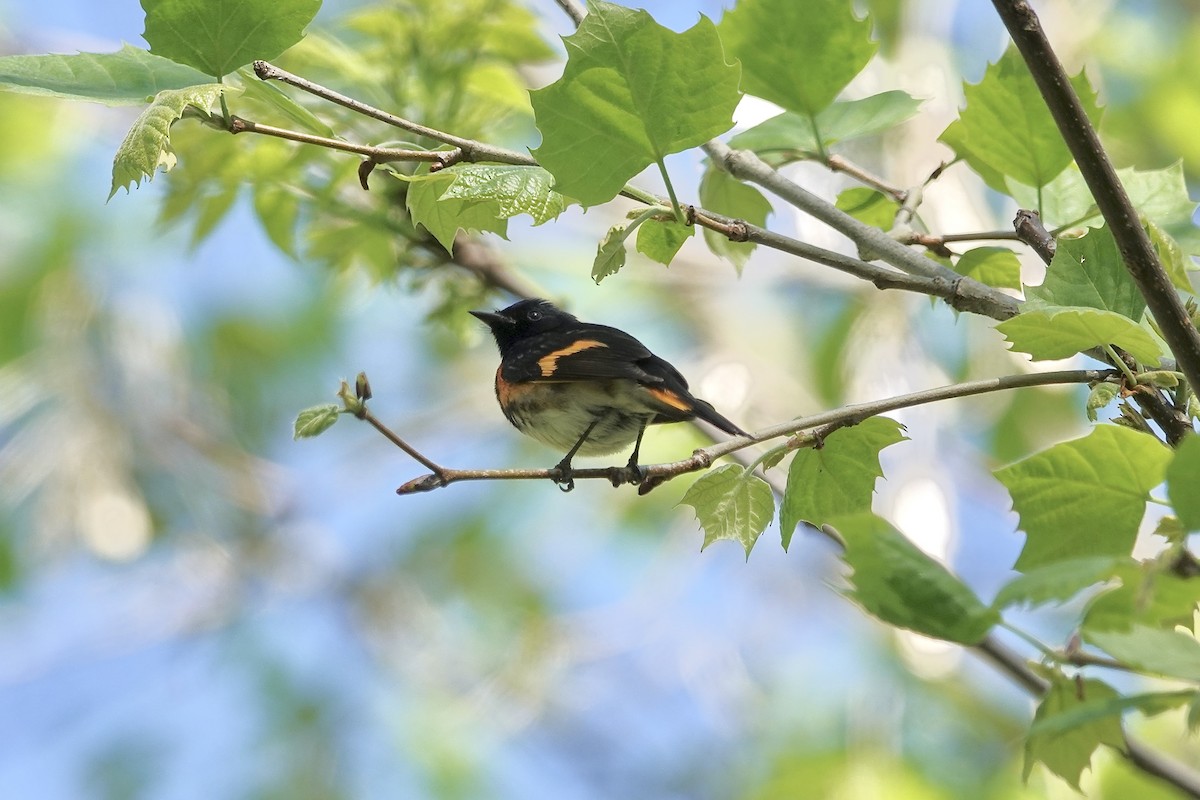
[[706, 412]]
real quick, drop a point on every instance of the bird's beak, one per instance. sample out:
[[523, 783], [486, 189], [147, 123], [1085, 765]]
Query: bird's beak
[[494, 320]]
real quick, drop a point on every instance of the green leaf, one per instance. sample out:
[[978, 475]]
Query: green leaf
[[1183, 482], [1084, 496], [1068, 753], [899, 584], [314, 421], [1159, 195], [661, 240], [1151, 650], [147, 145], [218, 36], [1087, 271], [1006, 127], [1149, 594], [767, 35], [1100, 396], [610, 253], [955, 137], [1095, 709], [130, 76], [1171, 254], [869, 206], [278, 209], [790, 136], [731, 504], [723, 194], [993, 266], [512, 189], [838, 477], [445, 216], [632, 93], [1056, 582], [1053, 332]]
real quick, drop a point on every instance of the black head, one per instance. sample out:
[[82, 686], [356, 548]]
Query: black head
[[522, 319]]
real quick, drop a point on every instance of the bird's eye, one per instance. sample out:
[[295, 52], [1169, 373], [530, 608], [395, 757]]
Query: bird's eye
[[534, 316]]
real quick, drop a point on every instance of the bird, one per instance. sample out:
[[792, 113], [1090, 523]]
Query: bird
[[585, 388]]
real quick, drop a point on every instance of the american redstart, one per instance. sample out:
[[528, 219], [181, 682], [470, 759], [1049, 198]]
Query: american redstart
[[583, 388]]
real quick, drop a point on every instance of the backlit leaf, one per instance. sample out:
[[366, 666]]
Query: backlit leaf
[[1055, 332], [218, 36], [767, 36], [130, 76], [898, 583], [731, 504], [632, 93], [838, 477], [1084, 496], [147, 145]]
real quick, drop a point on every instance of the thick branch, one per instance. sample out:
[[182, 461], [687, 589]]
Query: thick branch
[[1136, 250], [957, 292], [747, 166]]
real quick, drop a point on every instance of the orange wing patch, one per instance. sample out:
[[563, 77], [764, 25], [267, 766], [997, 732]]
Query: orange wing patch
[[667, 397], [549, 362]]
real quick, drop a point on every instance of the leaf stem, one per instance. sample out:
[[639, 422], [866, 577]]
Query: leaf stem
[[662, 169], [1120, 363], [1037, 644]]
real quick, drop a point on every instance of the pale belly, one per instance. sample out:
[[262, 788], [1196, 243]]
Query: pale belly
[[620, 412]]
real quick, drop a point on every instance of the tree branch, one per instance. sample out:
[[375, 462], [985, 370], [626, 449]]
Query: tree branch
[[573, 10], [837, 163], [747, 166], [655, 474], [1027, 225], [1081, 138], [960, 293], [471, 150], [379, 155], [1174, 422]]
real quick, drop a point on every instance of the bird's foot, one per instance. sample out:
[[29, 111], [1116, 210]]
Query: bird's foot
[[561, 474], [630, 473]]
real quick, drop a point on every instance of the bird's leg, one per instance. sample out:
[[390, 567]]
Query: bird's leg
[[563, 468], [632, 473]]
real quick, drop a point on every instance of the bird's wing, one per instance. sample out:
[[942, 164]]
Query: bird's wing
[[585, 353]]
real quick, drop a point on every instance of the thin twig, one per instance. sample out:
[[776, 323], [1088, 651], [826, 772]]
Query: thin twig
[[1081, 138], [471, 150], [379, 155], [838, 163], [977, 236], [655, 474]]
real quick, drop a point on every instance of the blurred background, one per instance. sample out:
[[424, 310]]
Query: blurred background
[[192, 605]]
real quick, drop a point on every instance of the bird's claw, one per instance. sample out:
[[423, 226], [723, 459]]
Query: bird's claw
[[630, 473], [561, 475]]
